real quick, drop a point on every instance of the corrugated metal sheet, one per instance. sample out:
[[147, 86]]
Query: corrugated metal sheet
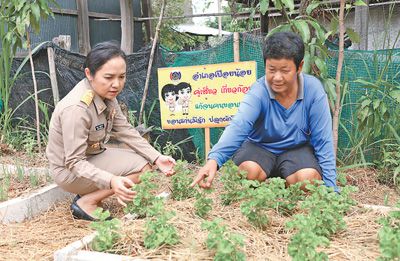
[[100, 30], [104, 6]]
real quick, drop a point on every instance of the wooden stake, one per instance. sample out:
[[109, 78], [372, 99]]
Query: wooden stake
[[53, 76], [126, 26], [236, 52], [83, 26], [35, 91], [207, 144], [146, 85]]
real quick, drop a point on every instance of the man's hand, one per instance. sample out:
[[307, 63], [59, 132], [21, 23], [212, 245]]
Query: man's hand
[[166, 164], [206, 175], [121, 187]]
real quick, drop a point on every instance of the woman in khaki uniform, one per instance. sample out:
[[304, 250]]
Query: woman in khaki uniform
[[81, 125]]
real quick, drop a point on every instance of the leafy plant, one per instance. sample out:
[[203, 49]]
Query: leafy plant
[[203, 205], [390, 165], [225, 244], [20, 172], [269, 196], [231, 179], [107, 230], [5, 180], [15, 19], [145, 197], [324, 216], [181, 181], [157, 229], [389, 236], [303, 244], [34, 179]]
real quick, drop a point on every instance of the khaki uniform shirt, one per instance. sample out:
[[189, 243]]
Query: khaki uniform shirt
[[80, 126]]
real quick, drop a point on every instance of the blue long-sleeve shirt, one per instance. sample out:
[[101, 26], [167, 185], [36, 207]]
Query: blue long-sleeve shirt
[[263, 120]]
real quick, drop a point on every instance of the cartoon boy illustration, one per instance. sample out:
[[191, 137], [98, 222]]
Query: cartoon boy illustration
[[169, 95], [184, 93]]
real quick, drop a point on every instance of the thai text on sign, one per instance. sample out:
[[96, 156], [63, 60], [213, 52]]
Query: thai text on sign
[[203, 96]]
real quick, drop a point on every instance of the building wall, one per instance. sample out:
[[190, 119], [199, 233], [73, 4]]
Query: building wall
[[383, 27], [100, 30]]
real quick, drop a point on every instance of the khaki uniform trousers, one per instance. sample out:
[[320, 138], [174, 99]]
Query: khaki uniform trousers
[[118, 161]]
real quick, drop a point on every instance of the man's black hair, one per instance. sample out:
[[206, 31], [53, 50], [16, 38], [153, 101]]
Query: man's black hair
[[284, 45], [102, 53], [183, 85]]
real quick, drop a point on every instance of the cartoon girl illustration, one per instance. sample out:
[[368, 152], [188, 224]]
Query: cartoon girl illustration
[[184, 93], [170, 97]]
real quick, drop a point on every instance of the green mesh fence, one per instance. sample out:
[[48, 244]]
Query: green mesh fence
[[358, 65]]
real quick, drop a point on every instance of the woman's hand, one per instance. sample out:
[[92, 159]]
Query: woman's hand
[[122, 189], [166, 164]]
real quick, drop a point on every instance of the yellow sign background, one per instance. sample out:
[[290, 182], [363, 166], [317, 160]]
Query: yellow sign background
[[212, 99]]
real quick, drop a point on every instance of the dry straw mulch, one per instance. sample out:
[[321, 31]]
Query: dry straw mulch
[[358, 242], [39, 238]]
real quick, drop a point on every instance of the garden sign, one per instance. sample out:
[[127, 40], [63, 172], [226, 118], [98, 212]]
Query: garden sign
[[203, 96]]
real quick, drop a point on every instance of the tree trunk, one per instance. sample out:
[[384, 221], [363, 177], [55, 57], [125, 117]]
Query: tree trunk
[[337, 109]]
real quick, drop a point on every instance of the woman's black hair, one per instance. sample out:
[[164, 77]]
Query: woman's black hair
[[102, 53], [284, 45], [168, 88]]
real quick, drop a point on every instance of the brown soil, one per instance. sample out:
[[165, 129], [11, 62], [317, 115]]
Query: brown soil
[[17, 188], [38, 239]]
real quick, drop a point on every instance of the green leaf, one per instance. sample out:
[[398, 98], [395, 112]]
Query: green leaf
[[365, 103], [376, 104], [289, 4], [320, 64], [334, 25], [320, 32], [264, 5], [354, 36], [280, 28], [311, 7], [360, 3], [35, 11], [303, 29], [277, 4], [395, 94], [307, 62]]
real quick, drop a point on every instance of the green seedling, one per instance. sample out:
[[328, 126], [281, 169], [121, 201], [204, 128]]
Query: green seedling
[[325, 210], [227, 246], [261, 197], [181, 181], [34, 179], [203, 205], [389, 236], [20, 173], [145, 197], [107, 230], [157, 229], [231, 179]]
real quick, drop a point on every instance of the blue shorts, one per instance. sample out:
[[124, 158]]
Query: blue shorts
[[282, 165]]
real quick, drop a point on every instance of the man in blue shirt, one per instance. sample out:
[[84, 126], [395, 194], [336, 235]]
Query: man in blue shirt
[[283, 127]]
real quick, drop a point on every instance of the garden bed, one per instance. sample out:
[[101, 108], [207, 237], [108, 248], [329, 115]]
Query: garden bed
[[55, 229], [359, 241]]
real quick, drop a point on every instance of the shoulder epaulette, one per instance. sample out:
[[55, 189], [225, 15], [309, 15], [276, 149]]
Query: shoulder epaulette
[[87, 97]]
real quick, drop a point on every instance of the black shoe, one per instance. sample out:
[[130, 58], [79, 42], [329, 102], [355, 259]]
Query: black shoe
[[76, 198], [78, 213]]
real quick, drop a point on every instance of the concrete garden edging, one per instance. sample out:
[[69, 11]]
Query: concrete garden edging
[[28, 206]]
